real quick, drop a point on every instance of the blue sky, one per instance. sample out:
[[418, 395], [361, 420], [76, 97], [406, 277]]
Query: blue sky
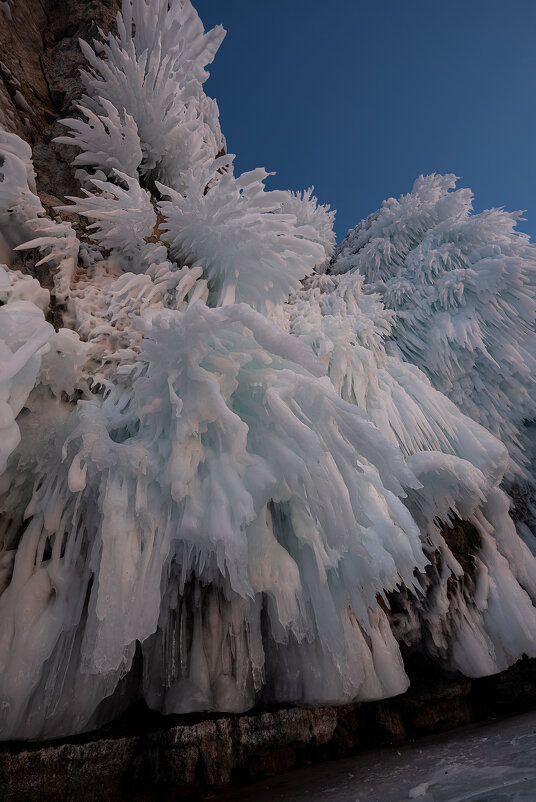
[[359, 98]]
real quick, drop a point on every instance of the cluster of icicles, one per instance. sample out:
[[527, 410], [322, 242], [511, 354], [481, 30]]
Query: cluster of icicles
[[216, 474]]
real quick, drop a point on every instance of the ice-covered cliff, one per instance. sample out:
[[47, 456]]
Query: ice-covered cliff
[[214, 464]]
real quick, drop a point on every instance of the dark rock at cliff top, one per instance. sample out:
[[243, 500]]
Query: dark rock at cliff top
[[40, 77]]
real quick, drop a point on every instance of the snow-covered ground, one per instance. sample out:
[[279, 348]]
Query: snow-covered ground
[[491, 762]]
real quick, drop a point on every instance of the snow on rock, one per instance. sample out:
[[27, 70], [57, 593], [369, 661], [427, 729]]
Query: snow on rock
[[17, 286], [218, 471], [19, 205], [418, 790]]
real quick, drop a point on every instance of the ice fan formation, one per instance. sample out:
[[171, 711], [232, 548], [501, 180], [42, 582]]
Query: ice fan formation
[[223, 481], [463, 290]]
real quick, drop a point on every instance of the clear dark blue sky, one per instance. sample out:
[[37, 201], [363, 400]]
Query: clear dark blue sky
[[360, 97]]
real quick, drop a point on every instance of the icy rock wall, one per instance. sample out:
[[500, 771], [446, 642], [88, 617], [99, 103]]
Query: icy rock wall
[[214, 472]]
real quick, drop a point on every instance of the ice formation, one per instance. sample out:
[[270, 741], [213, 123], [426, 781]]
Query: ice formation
[[219, 486], [145, 106], [311, 213], [463, 289], [248, 251], [458, 464]]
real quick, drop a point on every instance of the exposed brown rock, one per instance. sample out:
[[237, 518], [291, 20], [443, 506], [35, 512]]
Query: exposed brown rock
[[207, 752], [40, 77], [464, 541], [147, 757], [442, 715]]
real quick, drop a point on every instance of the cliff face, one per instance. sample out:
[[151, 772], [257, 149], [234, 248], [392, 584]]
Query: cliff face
[[39, 77], [39, 80]]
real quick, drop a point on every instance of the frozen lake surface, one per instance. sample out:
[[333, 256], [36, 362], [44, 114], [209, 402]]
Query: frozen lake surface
[[490, 762]]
